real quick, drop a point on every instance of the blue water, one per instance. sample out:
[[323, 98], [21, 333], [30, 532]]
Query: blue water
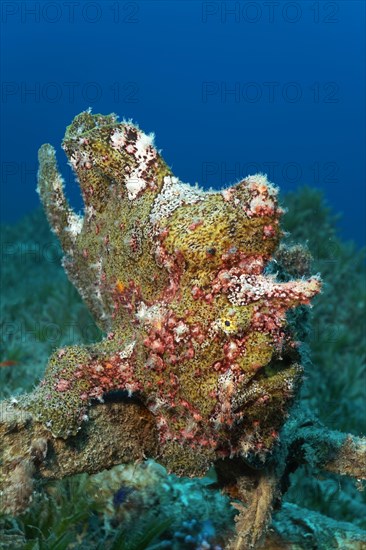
[[229, 88]]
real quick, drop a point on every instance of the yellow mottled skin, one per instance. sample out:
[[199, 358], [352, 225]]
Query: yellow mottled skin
[[175, 277]]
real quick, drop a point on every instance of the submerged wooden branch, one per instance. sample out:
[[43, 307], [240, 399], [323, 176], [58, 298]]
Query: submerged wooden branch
[[252, 521], [350, 459], [312, 443], [124, 431], [304, 441], [116, 433]]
